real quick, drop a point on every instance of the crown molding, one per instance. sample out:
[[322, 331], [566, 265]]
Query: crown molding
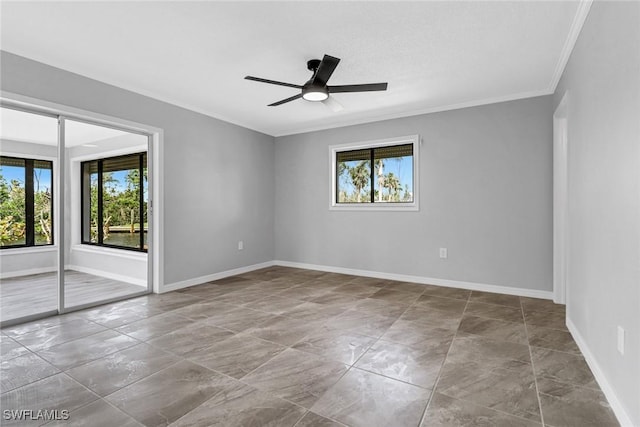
[[418, 112], [576, 27]]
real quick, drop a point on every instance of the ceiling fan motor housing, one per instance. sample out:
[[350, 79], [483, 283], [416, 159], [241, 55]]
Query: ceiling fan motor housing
[[311, 91], [313, 64]]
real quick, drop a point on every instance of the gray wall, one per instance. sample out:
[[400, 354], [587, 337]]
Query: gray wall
[[485, 194], [218, 177], [603, 83]]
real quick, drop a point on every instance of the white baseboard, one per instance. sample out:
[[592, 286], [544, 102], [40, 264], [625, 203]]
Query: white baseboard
[[331, 269], [10, 274], [607, 389], [534, 293], [215, 276], [107, 274]]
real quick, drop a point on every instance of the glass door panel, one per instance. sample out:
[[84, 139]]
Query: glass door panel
[[106, 206], [29, 241]]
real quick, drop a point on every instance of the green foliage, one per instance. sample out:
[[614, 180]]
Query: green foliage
[[11, 232], [12, 212], [121, 207], [121, 203]]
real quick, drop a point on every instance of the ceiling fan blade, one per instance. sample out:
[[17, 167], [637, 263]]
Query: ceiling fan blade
[[292, 98], [370, 87], [273, 82], [334, 105], [325, 69]]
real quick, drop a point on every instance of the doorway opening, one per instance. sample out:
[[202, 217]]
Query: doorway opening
[[560, 204]]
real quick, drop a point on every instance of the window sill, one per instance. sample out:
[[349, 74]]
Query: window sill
[[101, 250], [396, 207], [29, 250]]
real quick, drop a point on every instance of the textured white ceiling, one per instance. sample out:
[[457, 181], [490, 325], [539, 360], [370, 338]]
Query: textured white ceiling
[[435, 55]]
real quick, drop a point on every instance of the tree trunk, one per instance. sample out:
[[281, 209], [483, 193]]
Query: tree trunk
[[380, 180], [105, 228], [45, 227]]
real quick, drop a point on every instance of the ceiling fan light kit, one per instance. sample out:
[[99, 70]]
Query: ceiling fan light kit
[[315, 94], [316, 89]]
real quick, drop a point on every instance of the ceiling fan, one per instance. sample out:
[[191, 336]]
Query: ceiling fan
[[316, 89]]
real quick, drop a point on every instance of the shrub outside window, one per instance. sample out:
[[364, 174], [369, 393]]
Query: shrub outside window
[[378, 175]]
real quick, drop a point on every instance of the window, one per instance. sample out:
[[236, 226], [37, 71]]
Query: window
[[114, 202], [26, 202], [375, 175]]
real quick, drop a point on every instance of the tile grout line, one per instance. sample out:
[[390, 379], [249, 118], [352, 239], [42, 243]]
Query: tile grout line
[[100, 398], [36, 352], [391, 378], [308, 410], [171, 365], [435, 384], [304, 414], [377, 339], [60, 371], [349, 366], [533, 369]]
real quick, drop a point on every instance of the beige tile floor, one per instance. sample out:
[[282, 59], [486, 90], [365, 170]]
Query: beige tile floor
[[290, 347]]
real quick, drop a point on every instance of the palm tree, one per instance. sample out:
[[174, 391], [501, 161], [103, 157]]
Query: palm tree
[[407, 195], [360, 176], [393, 184], [381, 178], [343, 180]]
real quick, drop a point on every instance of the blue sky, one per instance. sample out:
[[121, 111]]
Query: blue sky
[[14, 172], [401, 167], [120, 177]]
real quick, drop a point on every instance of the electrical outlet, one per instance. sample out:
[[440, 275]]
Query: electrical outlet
[[240, 245], [621, 340], [443, 252]]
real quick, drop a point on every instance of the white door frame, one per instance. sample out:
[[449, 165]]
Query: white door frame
[[155, 165], [560, 203]]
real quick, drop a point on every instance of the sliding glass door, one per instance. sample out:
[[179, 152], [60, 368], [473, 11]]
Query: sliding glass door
[[74, 214]]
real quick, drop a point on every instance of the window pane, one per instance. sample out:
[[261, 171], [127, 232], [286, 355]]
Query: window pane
[[43, 202], [90, 202], [121, 201], [111, 188], [353, 180], [12, 201], [393, 178]]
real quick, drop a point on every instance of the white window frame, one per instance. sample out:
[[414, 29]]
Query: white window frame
[[402, 140]]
